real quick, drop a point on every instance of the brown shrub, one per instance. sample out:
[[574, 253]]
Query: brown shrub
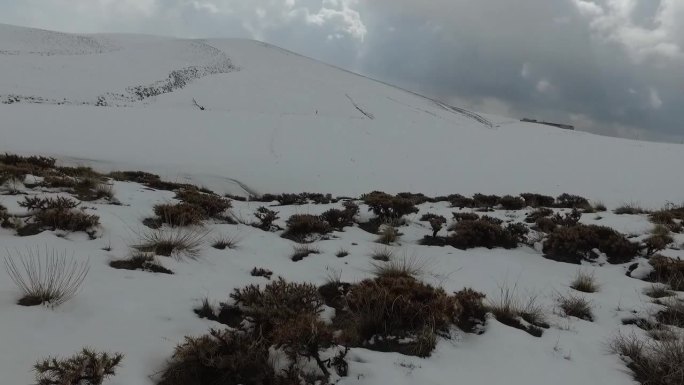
[[39, 162], [509, 202], [482, 200], [304, 336], [666, 218], [387, 206], [630, 209], [212, 205], [436, 224], [228, 357], [538, 200], [67, 220], [572, 201], [392, 310], [339, 219], [669, 271], [179, 214], [458, 200], [577, 243], [277, 302], [34, 203], [567, 220], [300, 227], [473, 313], [266, 218], [458, 217], [87, 367], [535, 215], [545, 224], [658, 240], [484, 233]]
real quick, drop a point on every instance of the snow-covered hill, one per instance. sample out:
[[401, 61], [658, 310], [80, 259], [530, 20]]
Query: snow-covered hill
[[246, 118], [279, 122]]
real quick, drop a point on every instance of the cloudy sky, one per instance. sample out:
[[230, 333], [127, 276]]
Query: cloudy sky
[[614, 67]]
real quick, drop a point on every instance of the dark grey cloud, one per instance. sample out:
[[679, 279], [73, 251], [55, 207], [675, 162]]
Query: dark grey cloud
[[609, 66]]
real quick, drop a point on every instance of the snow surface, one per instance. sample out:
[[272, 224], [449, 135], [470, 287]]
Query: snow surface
[[276, 122], [279, 122]]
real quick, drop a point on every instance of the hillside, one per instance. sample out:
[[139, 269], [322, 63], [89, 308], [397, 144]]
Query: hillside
[[279, 122], [221, 116]]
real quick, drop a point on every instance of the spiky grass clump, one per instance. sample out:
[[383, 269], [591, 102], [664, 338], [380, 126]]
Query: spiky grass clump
[[382, 253], [342, 252], [658, 291], [388, 234], [407, 267], [510, 310], [261, 272], [46, 277], [573, 305], [223, 242], [630, 209], [584, 282], [87, 367], [302, 251], [653, 362], [178, 242]]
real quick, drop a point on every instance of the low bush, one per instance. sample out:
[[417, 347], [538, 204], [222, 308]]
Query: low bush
[[277, 302], [301, 227], [213, 206], [542, 212], [668, 270], [458, 200], [659, 239], [67, 220], [673, 314], [86, 368], [46, 277], [35, 203], [630, 209], [569, 219], [575, 306], [572, 201], [473, 310], [653, 362], [484, 233], [538, 200], [576, 243], [179, 214], [387, 206], [397, 314], [436, 224], [140, 261], [509, 202], [545, 224], [584, 282], [228, 357], [261, 272], [667, 219], [266, 218], [488, 201], [339, 219], [458, 217]]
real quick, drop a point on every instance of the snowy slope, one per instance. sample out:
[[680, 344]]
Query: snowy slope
[[279, 122], [274, 121]]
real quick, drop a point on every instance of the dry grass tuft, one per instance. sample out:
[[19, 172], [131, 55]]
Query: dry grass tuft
[[48, 277], [575, 306], [303, 251], [584, 282], [653, 362], [177, 242], [87, 367]]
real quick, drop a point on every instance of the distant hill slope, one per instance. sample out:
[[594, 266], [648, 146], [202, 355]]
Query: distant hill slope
[[275, 121]]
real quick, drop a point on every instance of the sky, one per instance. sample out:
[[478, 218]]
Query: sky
[[613, 67]]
